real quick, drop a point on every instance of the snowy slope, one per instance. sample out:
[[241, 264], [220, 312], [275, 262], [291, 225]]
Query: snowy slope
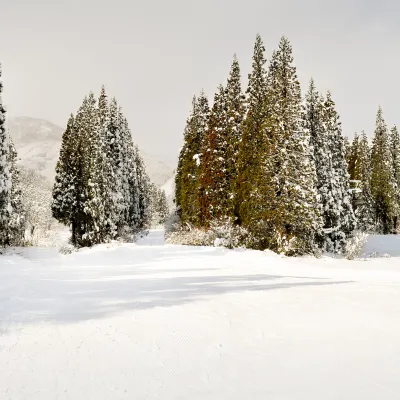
[[155, 321], [38, 144]]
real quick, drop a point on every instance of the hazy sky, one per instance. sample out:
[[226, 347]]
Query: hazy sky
[[154, 55]]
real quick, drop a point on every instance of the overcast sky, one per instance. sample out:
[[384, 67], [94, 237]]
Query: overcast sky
[[153, 56]]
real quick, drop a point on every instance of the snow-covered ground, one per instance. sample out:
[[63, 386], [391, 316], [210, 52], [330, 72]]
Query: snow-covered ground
[[156, 321]]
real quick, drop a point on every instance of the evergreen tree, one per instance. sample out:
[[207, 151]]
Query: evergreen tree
[[347, 147], [353, 157], [191, 161], [16, 224], [314, 123], [5, 175], [339, 218], [64, 190], [101, 186], [215, 186], [395, 147], [235, 110], [383, 186], [365, 211], [287, 184], [250, 146], [108, 181]]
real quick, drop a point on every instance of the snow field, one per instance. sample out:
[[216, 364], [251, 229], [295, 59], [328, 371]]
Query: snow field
[[155, 321]]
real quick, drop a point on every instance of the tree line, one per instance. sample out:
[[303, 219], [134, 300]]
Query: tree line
[[375, 171], [277, 164]]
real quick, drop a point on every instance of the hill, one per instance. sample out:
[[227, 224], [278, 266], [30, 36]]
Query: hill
[[38, 143]]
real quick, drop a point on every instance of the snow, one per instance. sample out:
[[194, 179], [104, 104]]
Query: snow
[[156, 321]]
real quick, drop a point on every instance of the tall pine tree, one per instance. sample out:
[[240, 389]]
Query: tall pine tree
[[191, 161], [250, 147], [365, 211], [395, 147], [215, 189], [5, 174], [383, 186], [235, 110], [287, 185]]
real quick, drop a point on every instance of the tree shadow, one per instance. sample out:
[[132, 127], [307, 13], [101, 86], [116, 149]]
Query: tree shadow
[[68, 296]]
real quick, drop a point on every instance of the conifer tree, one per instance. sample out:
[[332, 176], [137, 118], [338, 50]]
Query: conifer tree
[[108, 181], [383, 186], [347, 147], [16, 224], [339, 218], [395, 147], [249, 156], [64, 190], [235, 110], [365, 211], [5, 174], [287, 184], [215, 188], [353, 157], [191, 161]]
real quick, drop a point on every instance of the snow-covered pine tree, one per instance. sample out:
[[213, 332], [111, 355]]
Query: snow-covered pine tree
[[383, 186], [235, 109], [287, 183], [5, 174], [162, 207], [64, 189], [215, 186], [314, 123], [249, 148], [191, 161], [352, 162], [395, 147], [365, 211], [108, 181], [16, 224], [347, 147], [140, 187], [94, 175], [339, 218]]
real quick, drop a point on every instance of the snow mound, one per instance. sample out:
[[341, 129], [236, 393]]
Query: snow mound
[[382, 246]]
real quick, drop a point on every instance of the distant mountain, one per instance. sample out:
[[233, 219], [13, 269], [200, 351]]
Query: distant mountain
[[38, 144]]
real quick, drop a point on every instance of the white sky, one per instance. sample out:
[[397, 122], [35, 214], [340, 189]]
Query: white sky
[[153, 55]]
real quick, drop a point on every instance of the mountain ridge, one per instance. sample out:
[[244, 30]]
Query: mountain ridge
[[38, 143]]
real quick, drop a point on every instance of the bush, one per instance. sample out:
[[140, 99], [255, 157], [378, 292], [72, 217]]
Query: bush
[[355, 245], [221, 233]]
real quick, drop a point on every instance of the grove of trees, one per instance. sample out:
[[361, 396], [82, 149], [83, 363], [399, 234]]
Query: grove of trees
[[277, 165]]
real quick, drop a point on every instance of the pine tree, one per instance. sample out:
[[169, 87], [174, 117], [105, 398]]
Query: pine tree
[[347, 147], [250, 145], [16, 224], [395, 147], [162, 207], [353, 157], [64, 190], [383, 186], [191, 161], [314, 123], [365, 211], [215, 186], [5, 175], [287, 183], [339, 218], [235, 110], [108, 181]]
